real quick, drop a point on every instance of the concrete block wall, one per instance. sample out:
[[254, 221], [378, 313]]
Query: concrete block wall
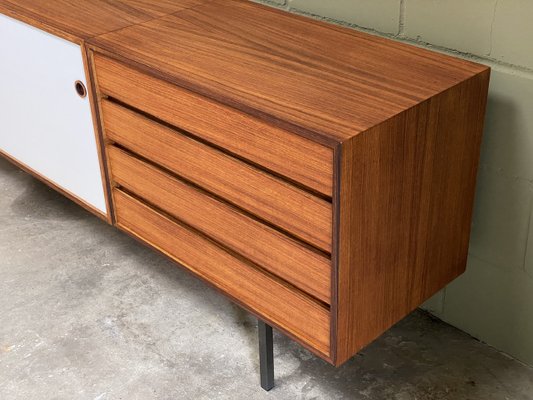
[[493, 300]]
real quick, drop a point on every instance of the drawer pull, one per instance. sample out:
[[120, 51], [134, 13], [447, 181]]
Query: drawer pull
[[80, 89]]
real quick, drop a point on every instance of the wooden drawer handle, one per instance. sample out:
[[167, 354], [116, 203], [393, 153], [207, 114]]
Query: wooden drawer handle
[[80, 89]]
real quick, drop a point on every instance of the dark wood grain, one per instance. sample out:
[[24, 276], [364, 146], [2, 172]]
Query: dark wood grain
[[79, 20], [288, 309], [336, 83], [406, 198], [290, 208], [270, 249], [299, 159]]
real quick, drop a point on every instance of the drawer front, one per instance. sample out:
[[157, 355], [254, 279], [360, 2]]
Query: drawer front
[[289, 155], [44, 124], [265, 246], [292, 209], [287, 308]]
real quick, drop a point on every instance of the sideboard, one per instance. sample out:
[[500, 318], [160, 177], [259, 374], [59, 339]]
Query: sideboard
[[320, 177]]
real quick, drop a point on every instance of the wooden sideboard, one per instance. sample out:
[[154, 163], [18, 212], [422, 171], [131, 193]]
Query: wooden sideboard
[[321, 177]]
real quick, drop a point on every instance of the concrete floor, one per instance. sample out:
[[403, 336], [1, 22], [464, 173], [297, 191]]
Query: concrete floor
[[88, 313]]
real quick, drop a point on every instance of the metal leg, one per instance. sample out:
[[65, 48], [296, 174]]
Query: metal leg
[[266, 355]]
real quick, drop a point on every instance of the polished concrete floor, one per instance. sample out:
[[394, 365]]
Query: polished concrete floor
[[88, 313]]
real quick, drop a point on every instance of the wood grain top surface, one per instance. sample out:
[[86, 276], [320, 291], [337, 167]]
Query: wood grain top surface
[[77, 20], [328, 81]]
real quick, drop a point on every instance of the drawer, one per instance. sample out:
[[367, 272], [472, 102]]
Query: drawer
[[286, 206], [298, 264], [287, 154], [271, 299]]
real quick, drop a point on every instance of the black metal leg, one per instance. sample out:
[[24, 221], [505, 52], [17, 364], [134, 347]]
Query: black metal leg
[[266, 355]]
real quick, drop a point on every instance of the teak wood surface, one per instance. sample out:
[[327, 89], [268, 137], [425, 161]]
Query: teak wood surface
[[298, 212], [406, 198], [370, 147], [331, 83], [265, 246], [294, 157], [93, 99], [302, 317], [79, 20]]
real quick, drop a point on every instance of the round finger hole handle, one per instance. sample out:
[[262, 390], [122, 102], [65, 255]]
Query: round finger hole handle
[[80, 89]]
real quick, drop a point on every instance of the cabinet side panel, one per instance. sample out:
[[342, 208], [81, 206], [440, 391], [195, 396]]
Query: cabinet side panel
[[407, 191], [98, 128]]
